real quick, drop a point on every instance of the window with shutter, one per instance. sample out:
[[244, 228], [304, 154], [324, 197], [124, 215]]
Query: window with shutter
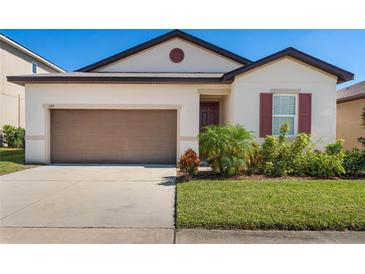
[[284, 111], [305, 112], [277, 109], [265, 114]]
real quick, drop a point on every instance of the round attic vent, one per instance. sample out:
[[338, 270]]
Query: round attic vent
[[176, 55]]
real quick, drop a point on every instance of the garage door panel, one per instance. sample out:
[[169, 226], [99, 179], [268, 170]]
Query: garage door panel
[[115, 136]]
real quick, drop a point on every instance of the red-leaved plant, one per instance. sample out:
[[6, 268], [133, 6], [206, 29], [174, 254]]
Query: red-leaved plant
[[189, 163]]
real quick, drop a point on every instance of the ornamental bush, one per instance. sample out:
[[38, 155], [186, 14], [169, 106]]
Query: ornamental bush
[[227, 148], [189, 163], [231, 150], [255, 161], [323, 164], [298, 157], [299, 149], [281, 158], [13, 137], [354, 162], [335, 148]]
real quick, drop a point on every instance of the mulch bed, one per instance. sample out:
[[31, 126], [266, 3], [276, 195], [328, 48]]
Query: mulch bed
[[210, 175]]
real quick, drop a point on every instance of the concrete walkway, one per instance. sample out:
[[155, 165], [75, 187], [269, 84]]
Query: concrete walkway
[[170, 236], [197, 236], [86, 236], [89, 197]]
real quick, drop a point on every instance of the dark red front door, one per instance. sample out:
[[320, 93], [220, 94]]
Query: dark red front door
[[209, 114]]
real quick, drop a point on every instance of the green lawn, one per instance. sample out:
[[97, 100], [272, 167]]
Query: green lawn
[[11, 160], [272, 204]]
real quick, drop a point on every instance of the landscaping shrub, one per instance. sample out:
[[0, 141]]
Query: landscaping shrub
[[335, 148], [227, 147], [298, 157], [300, 147], [231, 150], [324, 165], [255, 161], [13, 137], [276, 156], [354, 162], [189, 163], [282, 158], [328, 163]]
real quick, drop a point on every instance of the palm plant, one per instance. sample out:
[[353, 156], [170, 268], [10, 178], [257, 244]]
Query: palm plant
[[227, 147]]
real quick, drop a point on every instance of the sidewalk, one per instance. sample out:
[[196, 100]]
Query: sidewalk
[[170, 236], [197, 236], [86, 235]]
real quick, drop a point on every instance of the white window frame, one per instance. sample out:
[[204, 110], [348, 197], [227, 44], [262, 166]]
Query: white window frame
[[295, 115], [36, 67]]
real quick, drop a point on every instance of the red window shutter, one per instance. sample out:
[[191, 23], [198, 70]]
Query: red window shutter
[[305, 112], [265, 114]]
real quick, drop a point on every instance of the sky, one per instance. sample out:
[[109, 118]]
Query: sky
[[73, 49]]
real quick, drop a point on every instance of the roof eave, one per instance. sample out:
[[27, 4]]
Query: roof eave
[[341, 74], [22, 80], [351, 98], [29, 52]]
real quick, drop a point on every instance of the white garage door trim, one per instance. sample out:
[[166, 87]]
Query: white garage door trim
[[48, 107]]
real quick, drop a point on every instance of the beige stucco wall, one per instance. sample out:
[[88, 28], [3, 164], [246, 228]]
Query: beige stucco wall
[[240, 102], [287, 76], [12, 104], [156, 59], [183, 97], [349, 123]]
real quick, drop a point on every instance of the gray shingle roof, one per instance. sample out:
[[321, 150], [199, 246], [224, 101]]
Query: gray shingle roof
[[353, 92]]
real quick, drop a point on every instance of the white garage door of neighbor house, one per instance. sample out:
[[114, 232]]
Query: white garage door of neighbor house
[[113, 136]]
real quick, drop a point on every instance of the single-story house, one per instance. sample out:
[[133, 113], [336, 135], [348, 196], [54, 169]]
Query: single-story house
[[350, 106], [16, 60], [148, 104]]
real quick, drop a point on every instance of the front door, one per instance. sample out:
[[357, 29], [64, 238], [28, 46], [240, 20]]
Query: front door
[[209, 114]]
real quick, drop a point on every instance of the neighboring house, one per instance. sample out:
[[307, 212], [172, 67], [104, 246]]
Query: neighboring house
[[16, 59], [148, 103], [350, 105]]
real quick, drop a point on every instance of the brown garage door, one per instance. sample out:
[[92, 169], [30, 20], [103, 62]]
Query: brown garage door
[[113, 136]]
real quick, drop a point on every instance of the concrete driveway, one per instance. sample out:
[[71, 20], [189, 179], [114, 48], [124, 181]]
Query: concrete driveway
[[89, 196], [115, 204]]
